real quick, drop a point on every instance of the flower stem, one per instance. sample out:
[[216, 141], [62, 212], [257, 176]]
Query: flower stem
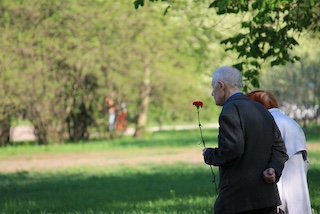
[[204, 145]]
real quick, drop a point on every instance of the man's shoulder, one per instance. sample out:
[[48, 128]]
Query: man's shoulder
[[235, 105], [239, 101], [238, 97], [243, 104]]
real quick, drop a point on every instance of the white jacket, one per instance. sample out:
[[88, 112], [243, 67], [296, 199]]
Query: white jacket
[[292, 186]]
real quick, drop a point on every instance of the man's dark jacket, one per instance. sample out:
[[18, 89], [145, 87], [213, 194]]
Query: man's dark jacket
[[249, 142]]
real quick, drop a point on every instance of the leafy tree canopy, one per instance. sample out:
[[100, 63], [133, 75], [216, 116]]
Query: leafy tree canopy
[[268, 30]]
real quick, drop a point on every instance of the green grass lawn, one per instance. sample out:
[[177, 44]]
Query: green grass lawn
[[144, 188], [158, 140]]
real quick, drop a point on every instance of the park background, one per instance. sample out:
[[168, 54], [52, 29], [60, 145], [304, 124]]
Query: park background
[[60, 59]]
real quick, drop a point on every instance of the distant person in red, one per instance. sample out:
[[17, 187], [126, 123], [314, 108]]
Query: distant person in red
[[111, 113], [121, 121]]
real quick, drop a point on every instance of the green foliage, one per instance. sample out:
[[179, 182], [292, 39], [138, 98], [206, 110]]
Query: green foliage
[[268, 31], [59, 59], [140, 3], [298, 83]]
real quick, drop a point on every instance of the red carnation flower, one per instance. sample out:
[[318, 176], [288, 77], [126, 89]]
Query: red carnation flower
[[198, 104]]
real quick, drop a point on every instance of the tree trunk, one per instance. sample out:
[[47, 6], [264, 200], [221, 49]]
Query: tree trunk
[[78, 123], [40, 125], [4, 132], [144, 98], [5, 125], [40, 131]]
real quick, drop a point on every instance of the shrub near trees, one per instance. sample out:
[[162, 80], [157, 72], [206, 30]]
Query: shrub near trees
[[40, 60]]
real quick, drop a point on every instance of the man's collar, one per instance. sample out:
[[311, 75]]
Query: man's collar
[[233, 96]]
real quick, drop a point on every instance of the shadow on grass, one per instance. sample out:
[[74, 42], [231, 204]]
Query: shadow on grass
[[314, 188], [176, 189], [149, 189]]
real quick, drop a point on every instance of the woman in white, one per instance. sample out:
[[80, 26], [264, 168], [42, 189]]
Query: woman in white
[[292, 186]]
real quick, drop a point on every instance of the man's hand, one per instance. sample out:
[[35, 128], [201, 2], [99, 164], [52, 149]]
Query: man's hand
[[269, 175]]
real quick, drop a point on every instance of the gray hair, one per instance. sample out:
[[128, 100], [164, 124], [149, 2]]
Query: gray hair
[[228, 75]]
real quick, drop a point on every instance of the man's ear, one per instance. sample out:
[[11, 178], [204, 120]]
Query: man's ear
[[221, 84]]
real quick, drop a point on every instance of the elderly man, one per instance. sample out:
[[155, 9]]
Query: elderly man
[[250, 153]]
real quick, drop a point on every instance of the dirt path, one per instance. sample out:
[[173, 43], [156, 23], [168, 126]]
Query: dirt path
[[46, 162], [102, 159]]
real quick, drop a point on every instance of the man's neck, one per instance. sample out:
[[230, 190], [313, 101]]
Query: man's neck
[[231, 92]]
